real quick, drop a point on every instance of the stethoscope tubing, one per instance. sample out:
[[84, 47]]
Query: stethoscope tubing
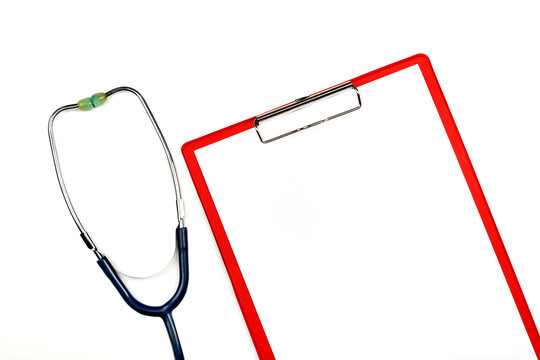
[[164, 311]]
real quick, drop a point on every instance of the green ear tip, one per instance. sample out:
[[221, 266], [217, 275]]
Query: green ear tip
[[89, 103], [85, 104], [98, 99]]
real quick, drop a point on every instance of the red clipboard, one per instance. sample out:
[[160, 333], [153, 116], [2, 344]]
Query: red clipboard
[[241, 290]]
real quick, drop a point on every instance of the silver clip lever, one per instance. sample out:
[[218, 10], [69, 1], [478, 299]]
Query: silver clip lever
[[325, 105]]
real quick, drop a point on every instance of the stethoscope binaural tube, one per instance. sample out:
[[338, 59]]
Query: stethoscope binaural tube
[[164, 311]]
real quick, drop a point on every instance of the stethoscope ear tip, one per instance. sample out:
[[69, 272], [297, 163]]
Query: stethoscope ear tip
[[91, 102]]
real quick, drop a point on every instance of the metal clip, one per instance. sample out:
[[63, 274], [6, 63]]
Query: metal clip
[[302, 102]]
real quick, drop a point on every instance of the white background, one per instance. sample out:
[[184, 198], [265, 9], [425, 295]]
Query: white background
[[205, 65]]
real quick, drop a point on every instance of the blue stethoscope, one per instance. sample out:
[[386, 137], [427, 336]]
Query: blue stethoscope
[[164, 311]]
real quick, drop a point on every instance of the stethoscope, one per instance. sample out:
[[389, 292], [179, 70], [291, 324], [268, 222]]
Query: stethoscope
[[164, 311]]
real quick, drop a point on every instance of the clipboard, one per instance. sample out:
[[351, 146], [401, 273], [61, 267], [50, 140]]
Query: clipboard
[[415, 298]]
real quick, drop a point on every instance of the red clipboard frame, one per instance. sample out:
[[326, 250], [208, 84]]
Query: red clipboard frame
[[241, 291]]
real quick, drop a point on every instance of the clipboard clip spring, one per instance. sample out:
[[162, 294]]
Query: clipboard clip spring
[[325, 105]]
